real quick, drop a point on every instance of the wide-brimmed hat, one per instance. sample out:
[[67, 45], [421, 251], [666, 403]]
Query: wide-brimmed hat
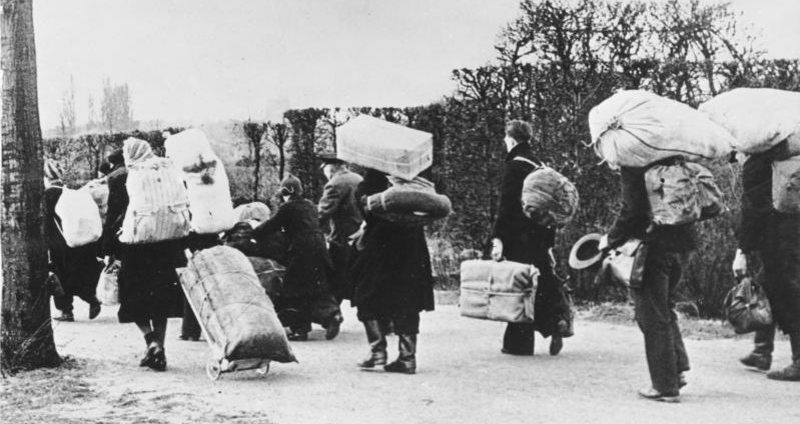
[[585, 251], [329, 158]]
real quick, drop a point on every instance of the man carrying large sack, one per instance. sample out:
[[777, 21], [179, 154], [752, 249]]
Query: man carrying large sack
[[339, 217], [518, 238], [667, 255], [772, 238]]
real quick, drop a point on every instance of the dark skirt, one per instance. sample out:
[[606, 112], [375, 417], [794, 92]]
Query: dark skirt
[[392, 274], [148, 283], [77, 268]]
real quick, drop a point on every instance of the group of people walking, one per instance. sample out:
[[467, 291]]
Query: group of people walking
[[337, 250]]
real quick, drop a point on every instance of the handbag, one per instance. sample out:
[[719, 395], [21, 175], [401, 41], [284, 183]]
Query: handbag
[[107, 286], [747, 307], [625, 264]]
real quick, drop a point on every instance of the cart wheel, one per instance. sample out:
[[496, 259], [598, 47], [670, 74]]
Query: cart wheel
[[263, 370], [213, 370]]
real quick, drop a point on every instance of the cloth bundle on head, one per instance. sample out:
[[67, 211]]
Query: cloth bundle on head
[[135, 150], [291, 186], [52, 170]]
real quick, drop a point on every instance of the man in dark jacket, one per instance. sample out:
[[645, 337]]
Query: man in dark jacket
[[771, 239], [654, 297], [117, 204], [339, 217], [517, 238]]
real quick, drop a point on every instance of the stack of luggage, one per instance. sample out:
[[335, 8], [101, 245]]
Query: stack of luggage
[[402, 153]]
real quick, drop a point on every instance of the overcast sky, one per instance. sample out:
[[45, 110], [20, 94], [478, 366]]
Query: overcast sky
[[200, 60]]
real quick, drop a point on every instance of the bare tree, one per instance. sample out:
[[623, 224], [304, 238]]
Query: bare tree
[[255, 134], [27, 336], [67, 115], [116, 110], [279, 136]]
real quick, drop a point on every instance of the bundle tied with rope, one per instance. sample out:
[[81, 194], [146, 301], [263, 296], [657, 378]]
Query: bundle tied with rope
[[635, 128], [546, 191]]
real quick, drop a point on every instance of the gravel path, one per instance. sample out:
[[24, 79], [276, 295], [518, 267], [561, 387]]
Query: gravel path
[[462, 378]]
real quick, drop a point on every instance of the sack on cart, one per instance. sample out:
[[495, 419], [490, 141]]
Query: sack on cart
[[237, 316], [498, 291]]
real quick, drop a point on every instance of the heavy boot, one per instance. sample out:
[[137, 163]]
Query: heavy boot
[[792, 372], [377, 345], [761, 356], [406, 361]]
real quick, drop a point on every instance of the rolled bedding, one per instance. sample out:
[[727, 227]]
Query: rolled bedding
[[415, 201]]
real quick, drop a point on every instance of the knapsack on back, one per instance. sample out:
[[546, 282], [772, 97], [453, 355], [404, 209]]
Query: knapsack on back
[[547, 190], [80, 218], [159, 206], [786, 185], [681, 193]]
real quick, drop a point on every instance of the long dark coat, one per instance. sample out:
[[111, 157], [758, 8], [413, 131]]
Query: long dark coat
[[77, 268], [527, 242], [775, 235], [148, 283], [307, 259], [392, 274]]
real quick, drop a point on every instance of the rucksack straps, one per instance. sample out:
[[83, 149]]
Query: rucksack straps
[[522, 159]]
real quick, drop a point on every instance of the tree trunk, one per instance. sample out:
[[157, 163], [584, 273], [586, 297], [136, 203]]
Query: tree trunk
[[256, 171], [282, 164], [27, 336]]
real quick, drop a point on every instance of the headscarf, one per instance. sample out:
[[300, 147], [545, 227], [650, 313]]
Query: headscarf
[[135, 150], [291, 186], [52, 170]]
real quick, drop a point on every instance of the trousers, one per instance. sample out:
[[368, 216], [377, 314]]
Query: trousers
[[654, 305]]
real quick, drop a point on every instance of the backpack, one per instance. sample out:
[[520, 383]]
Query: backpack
[[80, 218], [159, 206], [546, 190], [786, 185], [681, 193]]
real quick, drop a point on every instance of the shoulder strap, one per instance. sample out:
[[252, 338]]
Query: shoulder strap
[[522, 159]]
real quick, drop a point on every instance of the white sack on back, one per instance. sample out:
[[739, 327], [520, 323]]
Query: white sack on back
[[391, 148], [635, 128], [758, 118], [210, 200], [189, 149], [206, 181], [80, 218]]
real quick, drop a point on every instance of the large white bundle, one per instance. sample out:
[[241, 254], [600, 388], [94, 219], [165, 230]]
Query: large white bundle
[[391, 148], [758, 118], [189, 149], [98, 189], [635, 128], [210, 200], [80, 218], [158, 209], [499, 291], [206, 181]]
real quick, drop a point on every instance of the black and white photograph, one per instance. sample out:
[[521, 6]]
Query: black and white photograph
[[400, 212]]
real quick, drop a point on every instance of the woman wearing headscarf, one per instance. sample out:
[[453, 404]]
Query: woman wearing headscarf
[[306, 296], [76, 268], [148, 284], [392, 282]]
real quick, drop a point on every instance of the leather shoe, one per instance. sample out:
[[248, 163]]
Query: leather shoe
[[653, 394], [94, 310], [65, 317], [759, 361], [333, 327], [556, 344], [297, 337]]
